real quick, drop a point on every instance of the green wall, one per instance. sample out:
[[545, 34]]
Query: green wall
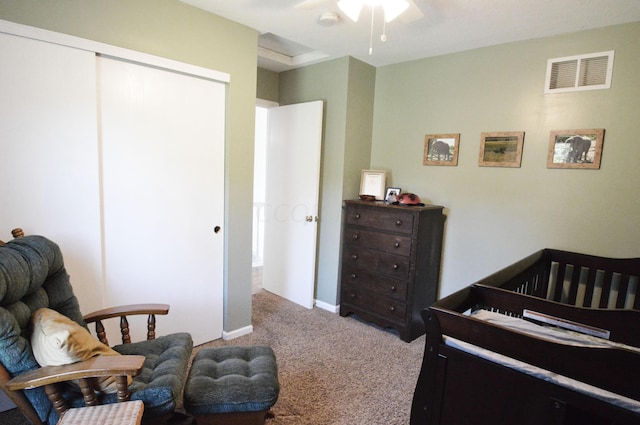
[[498, 215], [346, 86], [268, 85], [180, 32]]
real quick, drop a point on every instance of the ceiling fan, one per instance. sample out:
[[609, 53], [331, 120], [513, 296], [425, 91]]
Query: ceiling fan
[[353, 8]]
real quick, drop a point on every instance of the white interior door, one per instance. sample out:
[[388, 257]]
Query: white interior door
[[163, 190], [291, 201], [48, 145]]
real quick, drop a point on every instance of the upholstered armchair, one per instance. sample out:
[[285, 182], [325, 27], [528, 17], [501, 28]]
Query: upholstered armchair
[[33, 276]]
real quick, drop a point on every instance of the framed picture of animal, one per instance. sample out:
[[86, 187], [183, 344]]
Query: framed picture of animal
[[502, 149], [580, 149], [441, 149]]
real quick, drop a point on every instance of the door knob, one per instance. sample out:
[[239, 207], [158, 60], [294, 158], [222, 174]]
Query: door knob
[[311, 218]]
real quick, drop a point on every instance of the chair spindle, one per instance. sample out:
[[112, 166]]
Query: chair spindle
[[124, 330], [56, 398], [101, 333], [88, 393], [151, 327]]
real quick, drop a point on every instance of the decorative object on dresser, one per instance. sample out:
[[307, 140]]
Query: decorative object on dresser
[[372, 183], [391, 263]]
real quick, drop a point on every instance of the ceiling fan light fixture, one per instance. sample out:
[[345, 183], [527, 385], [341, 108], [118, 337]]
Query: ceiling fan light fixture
[[393, 8], [328, 19], [351, 8]]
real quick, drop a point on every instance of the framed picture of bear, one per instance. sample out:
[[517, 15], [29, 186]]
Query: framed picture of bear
[[575, 148], [441, 149]]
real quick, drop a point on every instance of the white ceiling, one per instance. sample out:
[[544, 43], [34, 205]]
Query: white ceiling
[[292, 36]]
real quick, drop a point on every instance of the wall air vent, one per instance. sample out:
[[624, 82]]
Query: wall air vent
[[583, 72]]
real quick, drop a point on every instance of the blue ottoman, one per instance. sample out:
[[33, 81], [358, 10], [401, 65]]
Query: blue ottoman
[[232, 385]]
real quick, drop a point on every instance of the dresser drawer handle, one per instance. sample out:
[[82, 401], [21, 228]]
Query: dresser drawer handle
[[354, 257], [354, 276], [393, 288], [398, 222], [356, 216], [355, 236], [352, 295], [396, 267], [396, 245], [392, 308]]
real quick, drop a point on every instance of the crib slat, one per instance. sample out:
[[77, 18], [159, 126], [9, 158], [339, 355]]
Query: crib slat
[[590, 288], [606, 289], [557, 296], [636, 303], [573, 285], [622, 291]]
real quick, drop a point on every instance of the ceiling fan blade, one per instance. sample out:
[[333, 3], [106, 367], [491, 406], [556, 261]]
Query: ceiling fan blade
[[310, 4]]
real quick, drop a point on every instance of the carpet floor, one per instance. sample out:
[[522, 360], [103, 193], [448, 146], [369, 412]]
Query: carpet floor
[[332, 370]]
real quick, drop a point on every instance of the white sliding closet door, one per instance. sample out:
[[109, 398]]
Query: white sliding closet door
[[48, 147], [162, 145]]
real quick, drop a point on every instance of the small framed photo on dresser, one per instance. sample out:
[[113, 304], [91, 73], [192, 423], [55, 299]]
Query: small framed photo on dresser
[[391, 194], [372, 183]]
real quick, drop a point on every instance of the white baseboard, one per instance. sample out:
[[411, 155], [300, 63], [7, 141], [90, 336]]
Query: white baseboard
[[327, 306], [237, 333]]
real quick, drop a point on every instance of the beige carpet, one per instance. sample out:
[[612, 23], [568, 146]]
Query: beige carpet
[[333, 370]]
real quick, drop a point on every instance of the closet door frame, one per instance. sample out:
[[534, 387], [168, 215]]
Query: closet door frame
[[109, 50]]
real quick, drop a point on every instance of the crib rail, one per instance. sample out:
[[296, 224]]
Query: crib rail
[[620, 323], [575, 279], [594, 282], [578, 362]]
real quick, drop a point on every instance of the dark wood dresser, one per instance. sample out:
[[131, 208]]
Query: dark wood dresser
[[390, 263]]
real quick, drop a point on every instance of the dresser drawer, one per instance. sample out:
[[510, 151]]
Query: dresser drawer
[[375, 283], [387, 242], [376, 261], [387, 308], [389, 220]]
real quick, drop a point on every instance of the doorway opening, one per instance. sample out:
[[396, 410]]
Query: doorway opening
[[259, 177]]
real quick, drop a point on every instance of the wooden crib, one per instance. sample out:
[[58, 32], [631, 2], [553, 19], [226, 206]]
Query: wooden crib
[[479, 372]]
